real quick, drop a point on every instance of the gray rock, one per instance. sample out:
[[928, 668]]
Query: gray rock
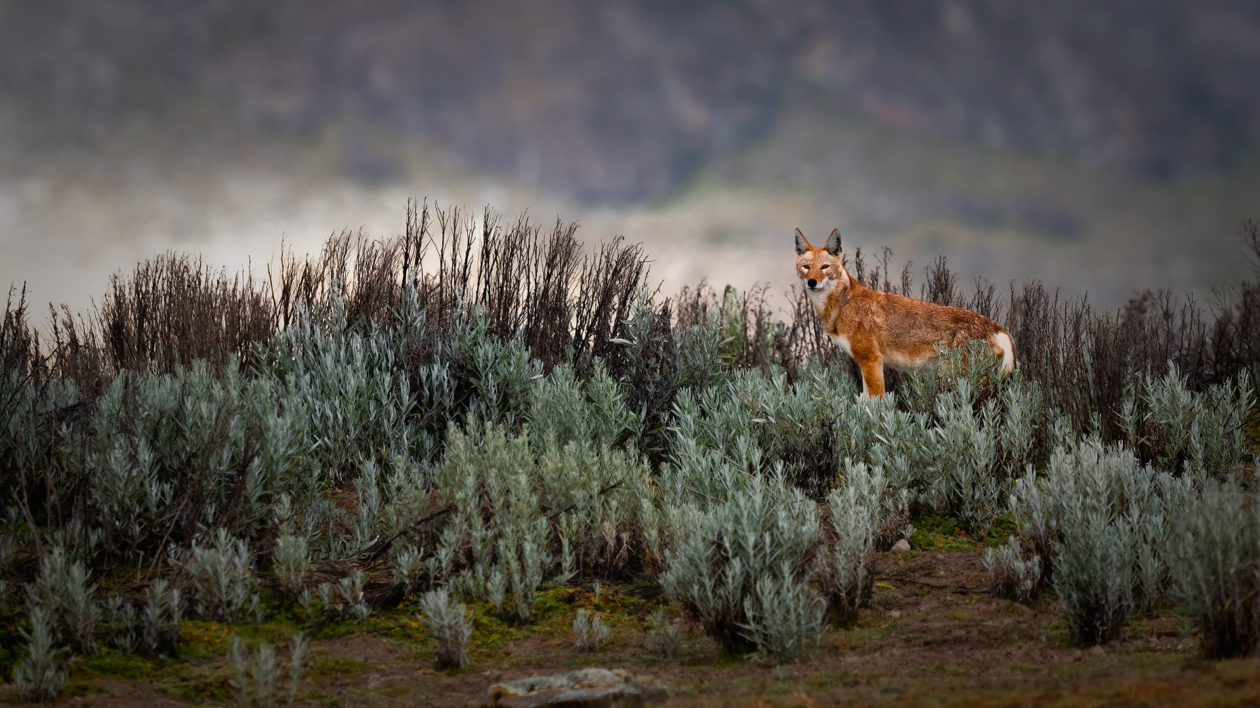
[[901, 546], [584, 688]]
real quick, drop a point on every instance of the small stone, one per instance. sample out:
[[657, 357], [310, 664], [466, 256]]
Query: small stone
[[584, 688], [901, 546], [895, 614]]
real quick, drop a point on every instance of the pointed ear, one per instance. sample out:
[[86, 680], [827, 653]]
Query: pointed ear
[[833, 242], [802, 244]]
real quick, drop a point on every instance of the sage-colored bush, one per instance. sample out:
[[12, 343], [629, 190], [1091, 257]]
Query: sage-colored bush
[[1216, 567], [450, 624], [1012, 572], [1098, 519], [223, 578], [41, 674], [768, 532]]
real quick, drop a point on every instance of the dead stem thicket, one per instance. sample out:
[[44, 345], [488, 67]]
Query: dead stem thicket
[[540, 288]]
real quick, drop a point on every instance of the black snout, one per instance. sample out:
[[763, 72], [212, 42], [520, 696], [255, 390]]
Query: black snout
[[812, 283]]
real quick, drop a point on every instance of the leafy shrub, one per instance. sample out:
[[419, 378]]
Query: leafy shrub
[[1093, 576], [655, 361], [41, 674], [187, 450], [1216, 561], [345, 599], [160, 618], [784, 617], [299, 654], [589, 631], [767, 531], [1174, 427], [565, 409], [290, 560], [791, 424], [1098, 517], [968, 481], [847, 569], [664, 637], [344, 382], [515, 511], [1011, 573], [406, 567], [120, 622], [450, 624], [223, 578], [255, 673], [494, 376], [63, 591]]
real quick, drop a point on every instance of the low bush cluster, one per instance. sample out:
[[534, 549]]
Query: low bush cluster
[[477, 410]]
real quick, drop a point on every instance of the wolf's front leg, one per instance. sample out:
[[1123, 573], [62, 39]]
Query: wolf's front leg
[[873, 377]]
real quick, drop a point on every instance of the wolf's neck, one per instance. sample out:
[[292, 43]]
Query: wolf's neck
[[837, 296]]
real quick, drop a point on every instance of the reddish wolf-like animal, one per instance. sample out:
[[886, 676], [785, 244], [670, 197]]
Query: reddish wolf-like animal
[[882, 329]]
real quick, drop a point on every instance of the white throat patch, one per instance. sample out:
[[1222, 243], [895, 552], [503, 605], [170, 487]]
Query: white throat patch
[[818, 294]]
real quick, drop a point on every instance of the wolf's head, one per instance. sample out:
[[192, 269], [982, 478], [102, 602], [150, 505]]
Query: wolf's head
[[820, 269]]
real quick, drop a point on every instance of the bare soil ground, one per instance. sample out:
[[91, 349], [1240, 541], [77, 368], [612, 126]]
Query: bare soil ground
[[934, 635]]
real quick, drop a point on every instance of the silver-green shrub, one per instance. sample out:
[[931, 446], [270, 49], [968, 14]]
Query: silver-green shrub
[[1011, 574], [407, 567], [500, 373], [970, 368], [968, 482], [789, 424], [299, 654], [215, 436], [564, 409], [1216, 567], [664, 637], [160, 618], [41, 674], [64, 591], [1094, 575], [520, 512], [784, 617], [847, 567], [902, 443], [1097, 518], [589, 631], [957, 455], [450, 624], [767, 531], [1178, 428], [223, 578], [290, 560], [348, 385], [604, 503], [345, 599], [255, 673], [121, 620]]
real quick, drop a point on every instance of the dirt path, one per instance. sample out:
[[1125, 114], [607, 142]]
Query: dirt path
[[934, 636]]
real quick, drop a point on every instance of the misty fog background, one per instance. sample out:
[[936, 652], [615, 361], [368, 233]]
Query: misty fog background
[[1099, 147]]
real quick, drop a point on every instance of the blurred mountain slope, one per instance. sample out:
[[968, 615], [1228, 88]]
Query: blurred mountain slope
[[619, 102]]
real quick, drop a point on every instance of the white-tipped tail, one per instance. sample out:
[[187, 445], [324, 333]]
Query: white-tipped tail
[[1002, 342]]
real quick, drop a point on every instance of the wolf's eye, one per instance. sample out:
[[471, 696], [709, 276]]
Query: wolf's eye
[[825, 266]]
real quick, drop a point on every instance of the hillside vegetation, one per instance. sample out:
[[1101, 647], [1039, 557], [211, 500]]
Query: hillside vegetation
[[483, 414]]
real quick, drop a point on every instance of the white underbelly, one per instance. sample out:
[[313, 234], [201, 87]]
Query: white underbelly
[[904, 363]]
